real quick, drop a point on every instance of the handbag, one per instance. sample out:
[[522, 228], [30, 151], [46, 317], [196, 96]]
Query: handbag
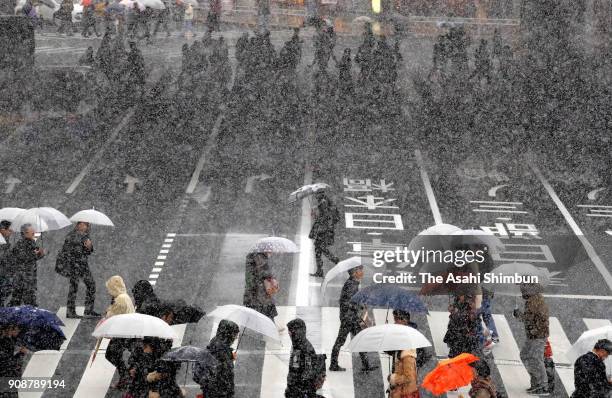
[[271, 285]]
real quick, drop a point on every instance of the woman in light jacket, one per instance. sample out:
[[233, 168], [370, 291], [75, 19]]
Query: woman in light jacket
[[121, 303], [403, 379]]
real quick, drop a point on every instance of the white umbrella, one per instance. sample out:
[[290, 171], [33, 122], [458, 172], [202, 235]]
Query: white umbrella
[[93, 217], [275, 244], [134, 326], [479, 237], [587, 340], [342, 267], [2, 240], [437, 237], [247, 318], [42, 219], [130, 4], [154, 4], [307, 190], [388, 337], [10, 213]]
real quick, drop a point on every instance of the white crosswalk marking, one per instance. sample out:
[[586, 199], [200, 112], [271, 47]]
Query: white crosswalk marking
[[97, 377], [438, 322], [508, 360], [380, 317], [560, 344], [44, 363], [337, 384], [276, 360]]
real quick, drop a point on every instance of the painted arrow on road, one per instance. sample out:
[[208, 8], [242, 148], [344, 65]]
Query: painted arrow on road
[[593, 194], [11, 183], [202, 195], [251, 181], [493, 191], [131, 183]]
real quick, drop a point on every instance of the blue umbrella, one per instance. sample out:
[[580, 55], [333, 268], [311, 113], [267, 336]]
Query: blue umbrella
[[27, 316], [42, 338], [390, 296]]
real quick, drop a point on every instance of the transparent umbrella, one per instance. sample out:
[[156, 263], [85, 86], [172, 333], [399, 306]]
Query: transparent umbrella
[[10, 213]]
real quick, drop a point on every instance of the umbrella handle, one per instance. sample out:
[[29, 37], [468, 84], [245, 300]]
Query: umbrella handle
[[240, 338]]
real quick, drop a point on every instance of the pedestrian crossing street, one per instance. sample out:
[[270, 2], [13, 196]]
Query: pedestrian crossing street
[[323, 324]]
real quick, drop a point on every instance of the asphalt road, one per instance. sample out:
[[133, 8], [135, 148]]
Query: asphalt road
[[189, 197]]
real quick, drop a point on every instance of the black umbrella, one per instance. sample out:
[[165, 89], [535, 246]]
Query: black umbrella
[[205, 362]]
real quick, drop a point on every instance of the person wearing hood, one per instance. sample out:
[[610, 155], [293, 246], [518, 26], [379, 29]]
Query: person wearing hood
[[25, 255], [222, 385], [535, 320], [145, 300], [121, 303], [303, 374], [257, 271], [350, 320]]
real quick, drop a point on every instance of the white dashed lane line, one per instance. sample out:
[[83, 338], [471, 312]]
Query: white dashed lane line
[[158, 265]]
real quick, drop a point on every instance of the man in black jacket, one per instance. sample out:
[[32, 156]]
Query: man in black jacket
[[350, 319], [6, 266], [222, 386], [303, 374], [76, 250], [323, 231], [25, 255], [590, 372]]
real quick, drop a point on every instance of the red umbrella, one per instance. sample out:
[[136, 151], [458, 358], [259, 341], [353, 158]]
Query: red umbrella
[[85, 3], [450, 374]]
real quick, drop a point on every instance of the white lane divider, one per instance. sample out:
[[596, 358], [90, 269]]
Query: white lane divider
[[44, 363], [97, 377], [305, 258], [601, 267], [431, 197], [159, 262], [560, 344], [508, 360], [438, 324]]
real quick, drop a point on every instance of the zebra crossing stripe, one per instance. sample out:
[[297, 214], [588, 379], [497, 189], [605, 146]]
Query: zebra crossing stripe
[[438, 322], [596, 323], [44, 363], [337, 384], [276, 361], [380, 317], [97, 377], [508, 360], [560, 344]]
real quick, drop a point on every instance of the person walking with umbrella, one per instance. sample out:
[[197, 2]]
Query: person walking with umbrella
[[322, 232], [25, 255], [350, 319], [73, 258], [461, 335], [64, 14], [257, 275], [302, 376], [140, 364], [221, 385], [162, 381], [535, 320], [121, 303], [6, 263], [590, 377], [482, 385], [403, 377]]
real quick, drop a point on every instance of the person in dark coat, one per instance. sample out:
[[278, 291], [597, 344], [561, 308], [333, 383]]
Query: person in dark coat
[[163, 380], [89, 21], [365, 53], [257, 271], [140, 363], [162, 20], [136, 69], [590, 377], [322, 231], [345, 77], [145, 300], [64, 14], [350, 319], [75, 253], [6, 263], [303, 374], [11, 357], [222, 386], [461, 335], [104, 55], [25, 255]]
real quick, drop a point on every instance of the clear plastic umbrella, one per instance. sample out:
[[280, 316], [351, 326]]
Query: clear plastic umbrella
[[275, 244], [438, 237], [307, 190], [342, 267], [92, 216], [2, 240], [154, 4], [42, 219], [10, 213], [134, 326], [479, 237], [248, 318], [586, 342]]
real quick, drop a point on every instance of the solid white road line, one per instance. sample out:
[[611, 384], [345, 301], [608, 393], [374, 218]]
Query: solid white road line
[[428, 189], [438, 324], [601, 267], [44, 363], [596, 323], [100, 152], [97, 378], [380, 317], [508, 361], [560, 344], [212, 140], [305, 258], [337, 384], [276, 359]]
